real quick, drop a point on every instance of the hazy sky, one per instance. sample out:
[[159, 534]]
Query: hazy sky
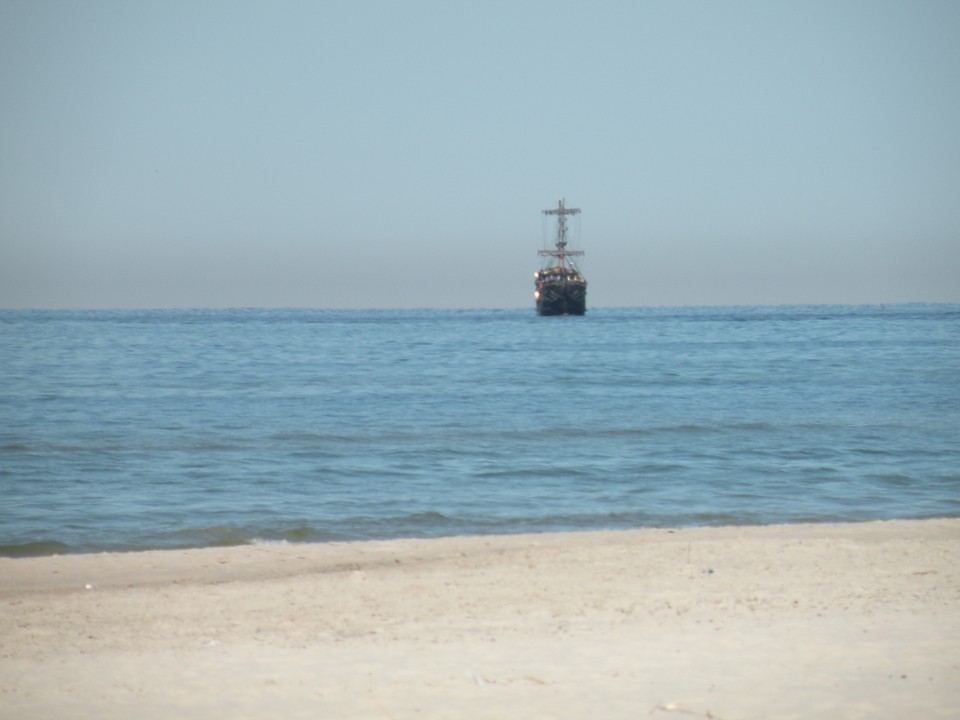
[[398, 154]]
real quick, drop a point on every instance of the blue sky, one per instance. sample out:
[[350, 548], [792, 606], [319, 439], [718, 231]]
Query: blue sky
[[398, 154]]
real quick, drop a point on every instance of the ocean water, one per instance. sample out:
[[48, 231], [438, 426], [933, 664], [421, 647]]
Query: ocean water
[[128, 430]]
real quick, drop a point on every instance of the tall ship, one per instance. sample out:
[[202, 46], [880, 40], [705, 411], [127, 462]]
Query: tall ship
[[560, 288]]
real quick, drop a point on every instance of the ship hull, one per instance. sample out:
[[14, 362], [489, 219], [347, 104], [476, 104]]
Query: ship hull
[[562, 301]]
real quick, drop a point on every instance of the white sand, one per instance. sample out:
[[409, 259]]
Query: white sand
[[802, 621]]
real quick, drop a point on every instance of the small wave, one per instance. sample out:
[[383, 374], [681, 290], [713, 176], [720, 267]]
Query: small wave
[[887, 481], [230, 536], [536, 472], [39, 548], [429, 516]]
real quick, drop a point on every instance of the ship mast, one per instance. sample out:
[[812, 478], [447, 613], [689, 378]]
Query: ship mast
[[561, 252]]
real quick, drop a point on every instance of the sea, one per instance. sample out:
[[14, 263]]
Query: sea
[[131, 430]]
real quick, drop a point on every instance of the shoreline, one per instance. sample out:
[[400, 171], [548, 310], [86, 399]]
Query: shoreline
[[55, 548], [797, 620]]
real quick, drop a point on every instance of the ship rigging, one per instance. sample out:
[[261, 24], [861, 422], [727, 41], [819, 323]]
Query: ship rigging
[[560, 289]]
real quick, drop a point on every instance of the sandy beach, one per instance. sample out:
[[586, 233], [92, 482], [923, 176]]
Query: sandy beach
[[794, 621]]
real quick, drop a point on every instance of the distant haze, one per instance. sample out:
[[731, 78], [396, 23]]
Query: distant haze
[[399, 154]]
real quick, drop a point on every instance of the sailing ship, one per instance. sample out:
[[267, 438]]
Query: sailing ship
[[560, 288]]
